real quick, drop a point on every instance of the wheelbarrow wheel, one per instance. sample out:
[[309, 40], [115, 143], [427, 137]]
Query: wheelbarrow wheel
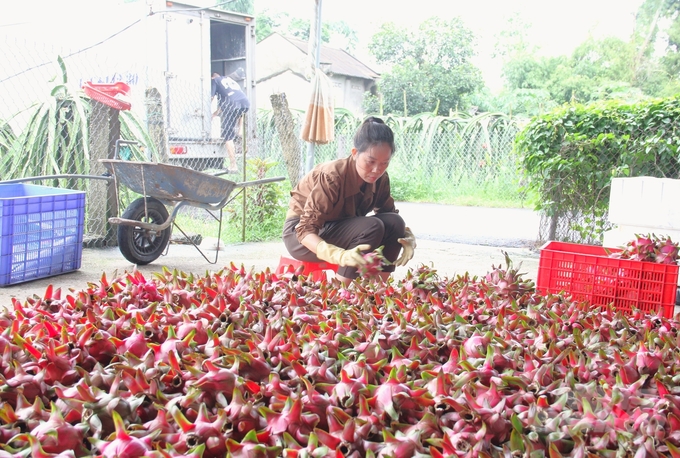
[[142, 246]]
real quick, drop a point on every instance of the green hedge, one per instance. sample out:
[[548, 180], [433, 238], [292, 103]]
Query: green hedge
[[571, 154]]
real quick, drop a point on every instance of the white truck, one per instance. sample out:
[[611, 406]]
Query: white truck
[[167, 56]]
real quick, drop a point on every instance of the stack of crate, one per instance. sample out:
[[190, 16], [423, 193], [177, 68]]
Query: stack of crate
[[643, 205]]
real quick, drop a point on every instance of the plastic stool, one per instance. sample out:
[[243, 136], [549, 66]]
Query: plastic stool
[[314, 269]]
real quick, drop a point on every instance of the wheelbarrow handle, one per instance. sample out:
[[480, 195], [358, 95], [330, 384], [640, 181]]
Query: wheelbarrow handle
[[245, 184], [150, 226], [52, 177], [143, 225]]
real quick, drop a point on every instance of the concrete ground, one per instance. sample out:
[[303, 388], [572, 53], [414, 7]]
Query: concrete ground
[[454, 240]]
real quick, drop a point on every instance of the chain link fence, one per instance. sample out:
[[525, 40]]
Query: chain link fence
[[64, 110], [50, 127], [585, 218], [437, 159]]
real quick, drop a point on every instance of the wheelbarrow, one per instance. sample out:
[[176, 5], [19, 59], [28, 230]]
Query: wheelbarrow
[[145, 227]]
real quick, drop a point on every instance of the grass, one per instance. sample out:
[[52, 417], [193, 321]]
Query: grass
[[265, 224], [460, 189], [259, 228]]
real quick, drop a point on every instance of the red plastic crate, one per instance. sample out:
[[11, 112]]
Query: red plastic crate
[[317, 270], [588, 273], [109, 94]]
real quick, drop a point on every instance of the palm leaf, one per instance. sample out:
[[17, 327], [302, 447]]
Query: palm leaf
[[131, 128], [81, 105], [7, 138], [50, 138], [62, 67]]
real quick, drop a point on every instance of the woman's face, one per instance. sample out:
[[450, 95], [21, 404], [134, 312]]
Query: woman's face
[[372, 163]]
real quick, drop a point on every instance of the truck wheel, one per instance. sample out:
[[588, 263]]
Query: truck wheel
[[142, 246]]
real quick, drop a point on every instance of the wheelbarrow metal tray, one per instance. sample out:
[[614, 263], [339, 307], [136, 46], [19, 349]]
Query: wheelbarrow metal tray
[[144, 228], [171, 183]]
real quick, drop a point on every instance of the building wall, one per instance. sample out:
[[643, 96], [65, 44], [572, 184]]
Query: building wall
[[348, 93], [297, 90], [277, 55]]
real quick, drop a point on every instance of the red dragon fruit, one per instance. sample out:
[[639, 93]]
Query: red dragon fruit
[[216, 380], [250, 446], [123, 445], [393, 396], [37, 451], [203, 430], [667, 252], [346, 392], [242, 413], [56, 435], [374, 263], [650, 248], [291, 420]]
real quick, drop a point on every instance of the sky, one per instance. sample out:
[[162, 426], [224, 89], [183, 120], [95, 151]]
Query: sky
[[556, 27]]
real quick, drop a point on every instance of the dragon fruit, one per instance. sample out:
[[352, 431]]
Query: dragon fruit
[[508, 282], [36, 450], [124, 445], [291, 420], [650, 248], [204, 430], [375, 261], [424, 366], [250, 446], [56, 435]]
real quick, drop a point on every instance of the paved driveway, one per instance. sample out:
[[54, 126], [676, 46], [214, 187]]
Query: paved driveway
[[499, 227]]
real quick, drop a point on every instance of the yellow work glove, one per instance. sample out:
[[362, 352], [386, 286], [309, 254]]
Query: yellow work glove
[[341, 257], [408, 242]]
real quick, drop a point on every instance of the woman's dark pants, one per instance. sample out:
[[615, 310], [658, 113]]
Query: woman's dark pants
[[382, 229]]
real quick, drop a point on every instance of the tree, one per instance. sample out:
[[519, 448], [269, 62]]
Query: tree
[[266, 24], [597, 69], [336, 33], [300, 28], [646, 65], [430, 67], [671, 61], [526, 74], [657, 27], [521, 67], [238, 6]]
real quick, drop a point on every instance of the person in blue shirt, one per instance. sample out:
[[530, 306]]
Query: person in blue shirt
[[232, 104]]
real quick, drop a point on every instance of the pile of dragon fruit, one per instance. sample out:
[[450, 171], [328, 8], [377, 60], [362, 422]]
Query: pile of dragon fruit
[[650, 248], [244, 364]]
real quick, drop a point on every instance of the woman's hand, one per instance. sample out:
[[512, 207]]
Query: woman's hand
[[336, 255], [408, 243]]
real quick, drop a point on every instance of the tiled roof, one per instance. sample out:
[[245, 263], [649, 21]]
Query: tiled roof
[[341, 62]]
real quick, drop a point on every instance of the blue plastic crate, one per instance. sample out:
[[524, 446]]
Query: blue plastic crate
[[42, 232]]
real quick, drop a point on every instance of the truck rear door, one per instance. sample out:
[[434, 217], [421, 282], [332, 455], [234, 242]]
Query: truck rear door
[[188, 76]]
